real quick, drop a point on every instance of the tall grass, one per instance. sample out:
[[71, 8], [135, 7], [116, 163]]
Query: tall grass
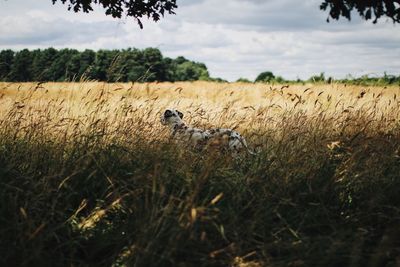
[[89, 176]]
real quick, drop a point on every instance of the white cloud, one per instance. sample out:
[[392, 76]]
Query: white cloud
[[234, 38]]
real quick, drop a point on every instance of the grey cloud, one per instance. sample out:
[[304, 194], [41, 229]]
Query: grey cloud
[[37, 31], [379, 36], [272, 15], [183, 3]]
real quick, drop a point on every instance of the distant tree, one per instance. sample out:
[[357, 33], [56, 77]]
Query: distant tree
[[266, 76], [217, 80], [77, 65], [38, 65], [134, 69], [317, 78], [103, 64], [243, 80], [367, 9], [21, 68], [125, 65], [61, 69], [279, 79], [6, 61], [191, 71], [154, 9], [180, 60], [154, 64], [70, 68], [390, 79], [42, 61], [86, 63], [170, 69]]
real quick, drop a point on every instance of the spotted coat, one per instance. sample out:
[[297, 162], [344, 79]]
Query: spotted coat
[[219, 137]]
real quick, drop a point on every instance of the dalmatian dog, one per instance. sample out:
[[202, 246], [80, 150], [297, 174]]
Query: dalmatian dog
[[222, 138]]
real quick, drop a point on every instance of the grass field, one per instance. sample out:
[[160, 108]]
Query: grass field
[[88, 176]]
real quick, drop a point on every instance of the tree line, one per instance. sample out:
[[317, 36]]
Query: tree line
[[125, 65], [385, 79], [131, 65]]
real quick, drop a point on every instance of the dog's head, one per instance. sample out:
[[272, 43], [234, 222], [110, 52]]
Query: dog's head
[[171, 116]]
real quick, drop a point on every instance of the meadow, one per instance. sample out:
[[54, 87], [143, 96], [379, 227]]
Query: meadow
[[89, 177]]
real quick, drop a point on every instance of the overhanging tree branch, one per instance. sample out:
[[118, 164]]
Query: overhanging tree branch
[[367, 9], [153, 9]]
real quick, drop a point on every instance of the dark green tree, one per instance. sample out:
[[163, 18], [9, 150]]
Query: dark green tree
[[130, 64], [266, 76], [21, 68], [170, 69], [180, 60], [181, 69], [136, 65], [102, 64], [6, 61], [42, 62], [191, 71], [186, 70], [80, 65], [367, 9], [133, 66], [153, 9], [127, 65], [86, 64], [59, 69], [243, 80], [154, 65]]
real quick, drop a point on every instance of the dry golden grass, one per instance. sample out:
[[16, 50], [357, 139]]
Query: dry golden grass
[[85, 172], [237, 105]]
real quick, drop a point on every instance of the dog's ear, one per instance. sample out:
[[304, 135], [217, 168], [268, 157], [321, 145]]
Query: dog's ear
[[168, 113], [180, 114]]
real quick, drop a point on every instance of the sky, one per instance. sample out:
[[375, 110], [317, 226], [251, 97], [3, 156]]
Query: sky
[[234, 38]]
